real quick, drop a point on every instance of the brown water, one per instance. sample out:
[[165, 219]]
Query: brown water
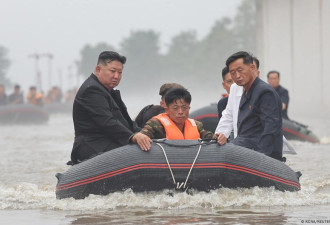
[[30, 156]]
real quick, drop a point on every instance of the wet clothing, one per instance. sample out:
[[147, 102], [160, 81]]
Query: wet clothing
[[147, 113], [16, 98], [155, 130], [101, 121], [222, 103], [190, 131], [284, 95], [259, 121]]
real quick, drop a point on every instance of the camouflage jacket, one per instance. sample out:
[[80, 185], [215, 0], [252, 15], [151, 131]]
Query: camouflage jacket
[[155, 130]]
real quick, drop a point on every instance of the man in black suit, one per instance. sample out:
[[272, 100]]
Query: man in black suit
[[274, 81], [259, 121], [100, 117]]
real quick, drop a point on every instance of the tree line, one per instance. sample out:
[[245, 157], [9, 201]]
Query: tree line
[[187, 60]]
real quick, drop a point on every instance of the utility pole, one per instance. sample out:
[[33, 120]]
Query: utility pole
[[36, 57], [50, 57], [77, 63], [70, 76], [60, 78]]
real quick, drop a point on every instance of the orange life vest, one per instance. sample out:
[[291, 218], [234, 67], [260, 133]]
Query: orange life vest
[[173, 132]]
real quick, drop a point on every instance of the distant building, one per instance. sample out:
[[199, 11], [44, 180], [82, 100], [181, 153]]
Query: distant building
[[294, 38]]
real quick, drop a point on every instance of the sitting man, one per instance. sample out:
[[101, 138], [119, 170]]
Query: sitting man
[[100, 117], [226, 83], [16, 97], [259, 121], [153, 110], [3, 96], [174, 124], [34, 98]]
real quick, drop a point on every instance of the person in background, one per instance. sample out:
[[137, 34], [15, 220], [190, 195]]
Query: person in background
[[33, 97], [259, 121], [174, 124], [226, 84], [54, 95], [153, 110], [100, 117], [274, 81], [17, 96], [3, 96], [70, 95]]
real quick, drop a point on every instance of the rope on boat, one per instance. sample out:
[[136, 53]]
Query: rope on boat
[[182, 185], [192, 165]]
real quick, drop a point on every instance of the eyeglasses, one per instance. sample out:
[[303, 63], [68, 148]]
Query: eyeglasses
[[183, 108]]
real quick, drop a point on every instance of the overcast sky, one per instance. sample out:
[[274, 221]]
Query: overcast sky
[[63, 27]]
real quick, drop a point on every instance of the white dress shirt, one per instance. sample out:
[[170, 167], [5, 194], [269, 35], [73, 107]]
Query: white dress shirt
[[228, 121]]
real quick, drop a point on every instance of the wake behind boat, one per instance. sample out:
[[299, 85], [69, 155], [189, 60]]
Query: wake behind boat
[[175, 164]]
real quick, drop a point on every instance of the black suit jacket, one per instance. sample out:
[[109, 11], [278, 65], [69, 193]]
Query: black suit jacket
[[259, 121], [101, 120]]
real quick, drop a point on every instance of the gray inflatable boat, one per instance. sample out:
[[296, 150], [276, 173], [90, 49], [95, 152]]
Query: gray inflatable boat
[[175, 164]]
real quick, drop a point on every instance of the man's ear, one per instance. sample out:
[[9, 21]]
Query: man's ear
[[166, 108], [97, 69], [162, 103], [253, 66]]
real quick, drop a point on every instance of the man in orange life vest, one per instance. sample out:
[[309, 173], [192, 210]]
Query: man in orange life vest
[[174, 124]]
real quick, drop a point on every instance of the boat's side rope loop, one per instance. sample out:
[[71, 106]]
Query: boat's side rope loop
[[178, 184], [168, 163]]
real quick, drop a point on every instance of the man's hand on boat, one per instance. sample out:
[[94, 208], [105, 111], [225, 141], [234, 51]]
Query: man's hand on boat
[[221, 138], [142, 140]]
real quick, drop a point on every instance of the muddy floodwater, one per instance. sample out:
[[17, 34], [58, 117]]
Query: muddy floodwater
[[30, 156]]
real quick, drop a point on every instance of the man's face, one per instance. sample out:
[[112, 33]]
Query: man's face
[[227, 82], [178, 111], [109, 75], [241, 73], [273, 80]]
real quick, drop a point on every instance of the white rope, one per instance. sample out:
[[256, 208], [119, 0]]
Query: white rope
[[192, 165], [168, 163], [178, 185]]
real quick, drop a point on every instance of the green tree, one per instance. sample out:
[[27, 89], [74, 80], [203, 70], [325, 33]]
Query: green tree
[[181, 55], [245, 26], [89, 55], [143, 58], [213, 51], [4, 65]]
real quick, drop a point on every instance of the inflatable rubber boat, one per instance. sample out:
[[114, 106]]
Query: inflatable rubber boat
[[175, 164], [59, 107], [22, 114], [292, 130]]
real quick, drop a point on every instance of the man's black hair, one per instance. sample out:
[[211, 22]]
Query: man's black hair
[[247, 58], [225, 70], [273, 71], [174, 94], [109, 56]]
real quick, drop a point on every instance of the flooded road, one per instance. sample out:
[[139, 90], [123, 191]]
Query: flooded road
[[30, 156]]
